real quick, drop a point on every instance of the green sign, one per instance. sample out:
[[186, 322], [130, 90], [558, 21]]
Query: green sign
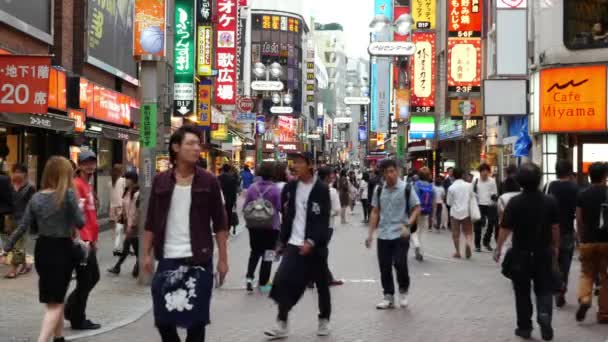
[[147, 128], [400, 146], [184, 63]]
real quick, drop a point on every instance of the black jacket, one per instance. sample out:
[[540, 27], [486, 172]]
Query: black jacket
[[317, 214]]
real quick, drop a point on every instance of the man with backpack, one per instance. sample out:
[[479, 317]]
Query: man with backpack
[[486, 190], [424, 190], [395, 209]]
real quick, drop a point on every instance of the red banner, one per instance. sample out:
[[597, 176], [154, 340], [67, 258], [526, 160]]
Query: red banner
[[225, 84], [24, 84], [110, 106], [57, 89], [464, 18], [423, 73], [79, 119], [464, 65]]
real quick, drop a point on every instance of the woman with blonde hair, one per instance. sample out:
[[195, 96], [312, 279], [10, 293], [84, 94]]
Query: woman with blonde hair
[[55, 212]]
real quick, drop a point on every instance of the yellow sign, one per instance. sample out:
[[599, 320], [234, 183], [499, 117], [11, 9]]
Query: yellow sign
[[221, 133], [424, 12], [573, 99]]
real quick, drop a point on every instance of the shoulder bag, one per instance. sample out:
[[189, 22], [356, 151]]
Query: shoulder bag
[[474, 212]]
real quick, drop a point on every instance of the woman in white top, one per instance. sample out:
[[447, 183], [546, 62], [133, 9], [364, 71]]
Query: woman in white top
[[510, 189], [118, 188], [439, 195], [363, 196]]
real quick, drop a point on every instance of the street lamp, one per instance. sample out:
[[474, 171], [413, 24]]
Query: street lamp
[[402, 26], [379, 23]]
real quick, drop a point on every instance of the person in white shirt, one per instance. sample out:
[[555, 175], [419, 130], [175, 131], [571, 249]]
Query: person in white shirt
[[439, 191], [458, 199], [363, 195], [486, 190], [117, 186]]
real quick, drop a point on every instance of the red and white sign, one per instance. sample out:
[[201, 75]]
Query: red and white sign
[[423, 73], [24, 84], [464, 65], [79, 119], [512, 4], [464, 18], [111, 106], [245, 105], [225, 84]]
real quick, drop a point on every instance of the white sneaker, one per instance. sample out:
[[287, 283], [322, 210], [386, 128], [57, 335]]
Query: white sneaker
[[280, 331], [403, 301], [387, 303], [323, 327]]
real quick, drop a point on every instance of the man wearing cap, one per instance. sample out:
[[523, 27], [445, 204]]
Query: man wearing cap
[[87, 274], [304, 237]]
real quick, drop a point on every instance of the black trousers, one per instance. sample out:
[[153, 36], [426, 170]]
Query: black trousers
[[294, 274], [488, 215], [87, 277], [564, 259], [260, 241], [537, 270], [393, 253], [169, 334], [365, 205], [438, 216], [130, 242]]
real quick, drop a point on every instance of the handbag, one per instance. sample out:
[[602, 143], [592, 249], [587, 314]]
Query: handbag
[[474, 212], [507, 264], [234, 218]]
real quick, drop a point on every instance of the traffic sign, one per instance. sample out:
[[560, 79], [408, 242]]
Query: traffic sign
[[245, 104], [281, 110], [391, 48], [267, 85]]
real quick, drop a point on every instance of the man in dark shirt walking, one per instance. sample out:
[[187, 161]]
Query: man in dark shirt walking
[[565, 192], [532, 217], [592, 224]]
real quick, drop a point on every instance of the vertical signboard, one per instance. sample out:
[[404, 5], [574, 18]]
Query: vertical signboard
[[147, 128], [464, 65], [149, 28], [423, 12], [204, 41], [464, 18], [225, 85], [423, 73], [380, 74], [204, 105], [183, 91], [402, 104]]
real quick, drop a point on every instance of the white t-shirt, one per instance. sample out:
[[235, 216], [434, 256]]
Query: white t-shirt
[[177, 235], [335, 206], [439, 193], [485, 190], [363, 189], [116, 193], [298, 231], [458, 199]]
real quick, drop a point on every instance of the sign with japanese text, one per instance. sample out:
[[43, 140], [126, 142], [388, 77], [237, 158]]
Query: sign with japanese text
[[573, 99], [464, 18], [57, 89], [205, 51], [204, 105], [402, 104], [24, 84], [183, 90], [221, 133], [391, 49], [149, 28], [79, 118], [512, 4], [204, 12], [423, 12], [110, 106], [147, 128], [423, 73], [225, 84], [466, 108], [86, 95], [464, 65], [380, 98], [276, 23]]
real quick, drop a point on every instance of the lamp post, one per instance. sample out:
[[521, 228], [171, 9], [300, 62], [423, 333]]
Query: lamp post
[[379, 48]]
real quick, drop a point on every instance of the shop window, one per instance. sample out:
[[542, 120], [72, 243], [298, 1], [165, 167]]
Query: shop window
[[586, 24], [550, 147]]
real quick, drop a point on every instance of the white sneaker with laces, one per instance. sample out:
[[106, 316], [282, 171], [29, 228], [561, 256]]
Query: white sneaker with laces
[[403, 301], [280, 331], [323, 328], [387, 303]]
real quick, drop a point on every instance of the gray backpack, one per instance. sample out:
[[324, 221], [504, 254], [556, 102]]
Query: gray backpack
[[259, 213]]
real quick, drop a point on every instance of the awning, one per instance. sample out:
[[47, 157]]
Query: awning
[[49, 121], [118, 133]]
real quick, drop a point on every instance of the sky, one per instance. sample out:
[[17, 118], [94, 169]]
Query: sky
[[354, 15]]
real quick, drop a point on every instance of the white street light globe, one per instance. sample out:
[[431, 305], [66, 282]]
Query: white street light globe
[[287, 99], [379, 23], [276, 98], [404, 24], [276, 70], [348, 112], [364, 91], [259, 69]]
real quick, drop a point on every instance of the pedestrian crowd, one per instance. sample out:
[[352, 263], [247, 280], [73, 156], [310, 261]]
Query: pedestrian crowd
[[291, 213]]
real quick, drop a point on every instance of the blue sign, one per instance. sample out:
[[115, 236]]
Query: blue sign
[[422, 135], [384, 7], [373, 120], [261, 124], [245, 117], [362, 133]]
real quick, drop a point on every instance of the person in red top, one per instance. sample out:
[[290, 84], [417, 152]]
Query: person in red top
[[87, 274]]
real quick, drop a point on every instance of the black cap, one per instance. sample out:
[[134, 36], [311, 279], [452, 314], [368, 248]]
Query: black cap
[[304, 155]]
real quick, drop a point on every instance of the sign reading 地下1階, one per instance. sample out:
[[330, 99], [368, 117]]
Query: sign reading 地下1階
[[184, 62], [225, 84]]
